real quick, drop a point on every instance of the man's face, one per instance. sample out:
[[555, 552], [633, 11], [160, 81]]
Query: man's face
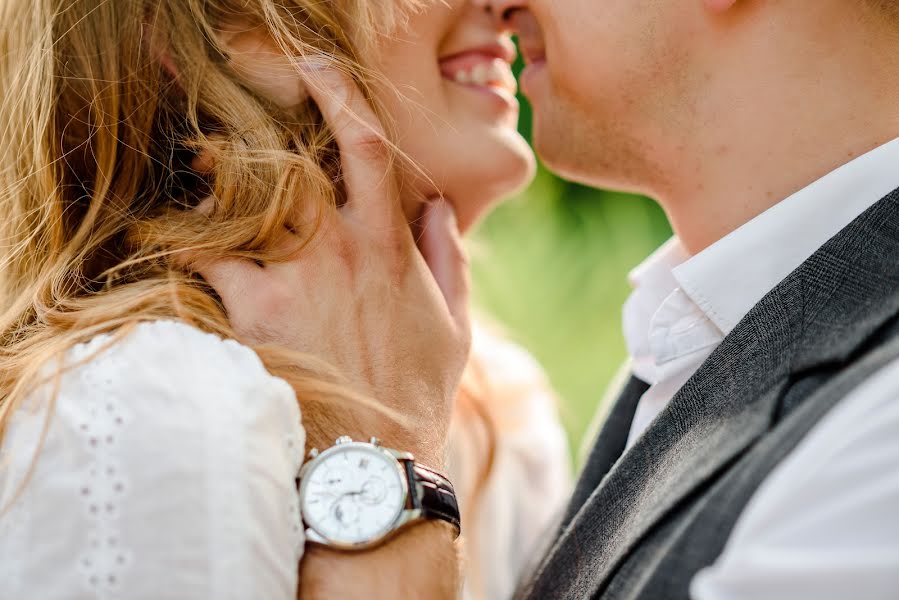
[[607, 78]]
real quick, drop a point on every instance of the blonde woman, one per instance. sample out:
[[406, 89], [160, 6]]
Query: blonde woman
[[151, 433]]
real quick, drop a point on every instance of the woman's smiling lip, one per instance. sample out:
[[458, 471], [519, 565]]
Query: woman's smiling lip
[[502, 48], [488, 67]]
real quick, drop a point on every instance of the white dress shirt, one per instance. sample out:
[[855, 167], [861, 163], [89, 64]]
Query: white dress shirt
[[825, 524]]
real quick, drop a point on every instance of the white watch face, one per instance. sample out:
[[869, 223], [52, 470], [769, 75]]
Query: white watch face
[[353, 494]]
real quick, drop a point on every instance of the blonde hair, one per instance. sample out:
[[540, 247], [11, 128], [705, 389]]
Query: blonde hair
[[95, 193]]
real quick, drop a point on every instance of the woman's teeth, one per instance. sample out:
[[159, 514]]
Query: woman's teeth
[[496, 73]]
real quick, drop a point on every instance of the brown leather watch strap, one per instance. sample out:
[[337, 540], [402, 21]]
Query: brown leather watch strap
[[434, 495]]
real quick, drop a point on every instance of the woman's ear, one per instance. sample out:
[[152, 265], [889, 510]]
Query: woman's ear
[[719, 6]]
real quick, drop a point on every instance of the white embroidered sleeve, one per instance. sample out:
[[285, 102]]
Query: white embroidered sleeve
[[167, 472]]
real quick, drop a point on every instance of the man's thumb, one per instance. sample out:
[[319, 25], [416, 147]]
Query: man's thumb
[[441, 245]]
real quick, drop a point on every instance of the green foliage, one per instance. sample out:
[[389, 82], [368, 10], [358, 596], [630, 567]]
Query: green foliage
[[550, 267]]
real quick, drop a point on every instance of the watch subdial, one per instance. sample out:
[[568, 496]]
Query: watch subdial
[[373, 491], [345, 511]]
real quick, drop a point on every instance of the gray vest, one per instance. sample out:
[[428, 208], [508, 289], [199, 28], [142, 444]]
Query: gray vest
[[641, 525]]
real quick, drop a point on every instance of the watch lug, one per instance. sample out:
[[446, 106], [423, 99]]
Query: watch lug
[[314, 537], [408, 516], [303, 470], [344, 439], [399, 455]]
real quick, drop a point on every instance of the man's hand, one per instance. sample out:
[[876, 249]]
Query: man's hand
[[390, 316], [361, 297]]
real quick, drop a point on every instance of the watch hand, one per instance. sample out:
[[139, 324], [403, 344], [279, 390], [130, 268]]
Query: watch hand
[[344, 495]]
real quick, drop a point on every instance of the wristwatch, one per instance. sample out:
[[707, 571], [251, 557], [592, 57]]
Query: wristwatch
[[355, 495]]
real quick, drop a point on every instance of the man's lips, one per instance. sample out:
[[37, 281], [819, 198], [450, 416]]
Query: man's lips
[[530, 36]]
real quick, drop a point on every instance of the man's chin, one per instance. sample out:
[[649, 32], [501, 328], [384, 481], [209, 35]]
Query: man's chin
[[591, 162], [557, 156]]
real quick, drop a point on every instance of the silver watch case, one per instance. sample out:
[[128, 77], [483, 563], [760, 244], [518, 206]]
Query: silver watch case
[[405, 516]]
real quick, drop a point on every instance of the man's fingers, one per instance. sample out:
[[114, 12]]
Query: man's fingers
[[362, 143], [231, 278], [188, 259], [264, 66], [441, 245], [206, 206]]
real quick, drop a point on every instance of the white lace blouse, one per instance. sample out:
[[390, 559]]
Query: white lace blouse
[[166, 472]]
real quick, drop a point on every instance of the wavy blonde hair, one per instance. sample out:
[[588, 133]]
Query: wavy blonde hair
[[96, 195]]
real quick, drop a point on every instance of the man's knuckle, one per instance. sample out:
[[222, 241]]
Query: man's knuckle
[[346, 249], [371, 146], [394, 247]]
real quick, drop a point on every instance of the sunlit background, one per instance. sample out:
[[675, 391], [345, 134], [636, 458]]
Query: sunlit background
[[550, 267]]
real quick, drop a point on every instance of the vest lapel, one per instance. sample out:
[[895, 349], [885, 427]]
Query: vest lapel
[[609, 446], [821, 313]]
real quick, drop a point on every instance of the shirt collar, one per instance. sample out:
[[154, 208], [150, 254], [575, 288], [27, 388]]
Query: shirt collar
[[731, 276], [656, 272], [661, 324]]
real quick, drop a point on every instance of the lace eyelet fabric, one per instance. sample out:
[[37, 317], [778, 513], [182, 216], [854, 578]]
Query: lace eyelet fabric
[[104, 487], [167, 472]]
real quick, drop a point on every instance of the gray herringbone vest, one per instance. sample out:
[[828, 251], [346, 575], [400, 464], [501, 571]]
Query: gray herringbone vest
[[641, 525]]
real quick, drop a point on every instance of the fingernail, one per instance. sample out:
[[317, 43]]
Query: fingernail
[[439, 208], [448, 208]]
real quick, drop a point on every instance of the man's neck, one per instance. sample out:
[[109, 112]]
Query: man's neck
[[775, 128]]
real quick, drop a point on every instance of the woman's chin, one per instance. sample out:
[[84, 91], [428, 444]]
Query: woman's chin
[[523, 164], [476, 184], [499, 161], [479, 202], [519, 171], [528, 168]]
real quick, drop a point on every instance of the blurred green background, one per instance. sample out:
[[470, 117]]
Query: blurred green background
[[550, 267]]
